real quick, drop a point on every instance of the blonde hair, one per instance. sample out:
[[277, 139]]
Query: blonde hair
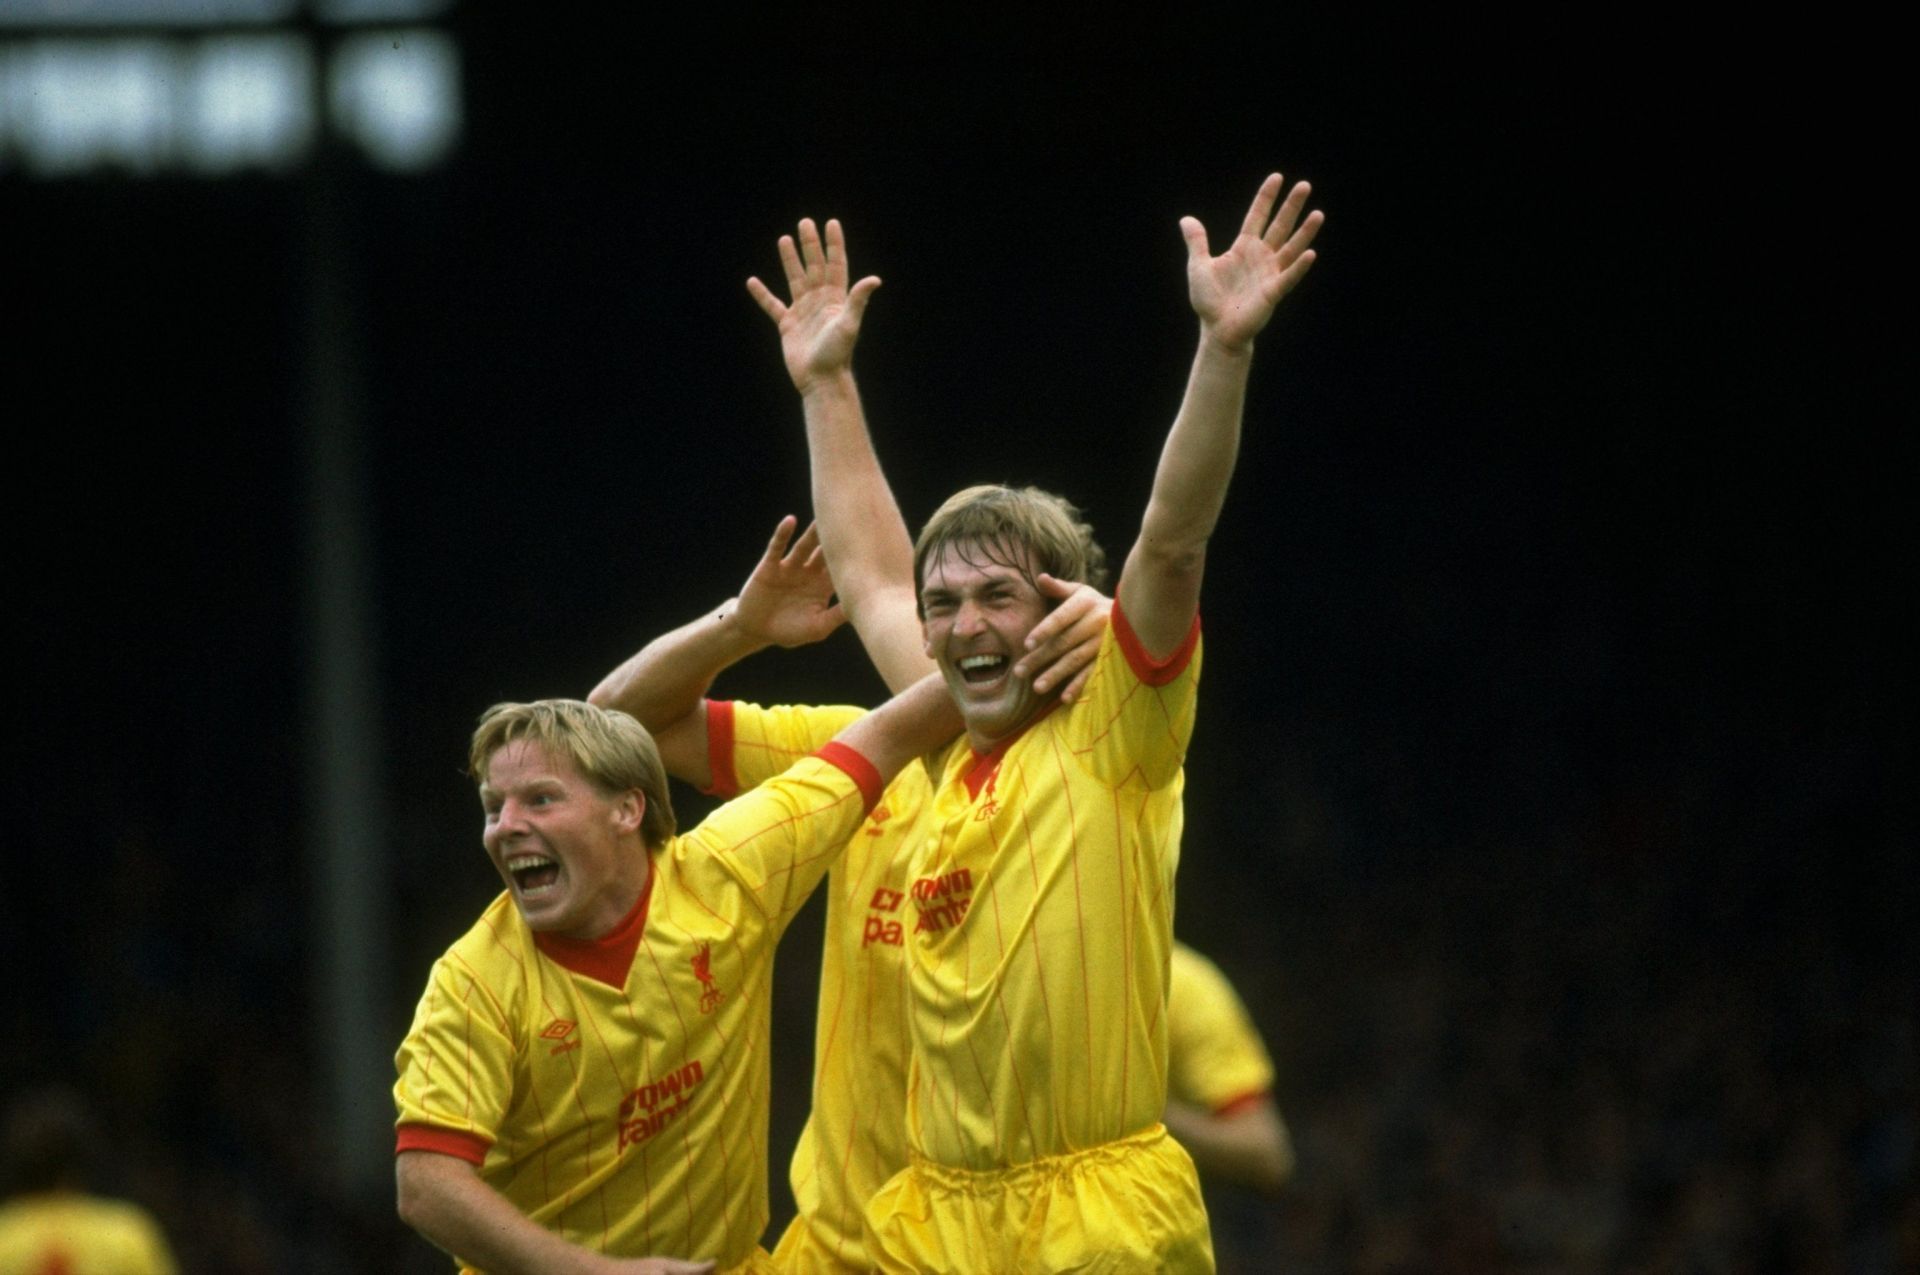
[[1023, 528], [608, 747]]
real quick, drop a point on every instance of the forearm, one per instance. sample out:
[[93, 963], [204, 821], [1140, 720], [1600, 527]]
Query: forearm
[[1160, 584], [664, 685], [862, 531], [667, 678], [911, 724], [444, 1200], [1250, 1147], [1196, 464]]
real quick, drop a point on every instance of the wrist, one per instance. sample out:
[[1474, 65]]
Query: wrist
[[1216, 345], [736, 636], [827, 385]]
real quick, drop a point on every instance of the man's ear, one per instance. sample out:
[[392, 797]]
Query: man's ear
[[630, 810]]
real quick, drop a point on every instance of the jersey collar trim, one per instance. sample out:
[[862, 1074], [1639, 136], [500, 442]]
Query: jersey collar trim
[[608, 958], [984, 764]]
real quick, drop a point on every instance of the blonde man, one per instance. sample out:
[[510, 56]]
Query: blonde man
[[1041, 875], [586, 1077]]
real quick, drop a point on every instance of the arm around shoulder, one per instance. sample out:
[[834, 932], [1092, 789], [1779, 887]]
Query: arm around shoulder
[[912, 724]]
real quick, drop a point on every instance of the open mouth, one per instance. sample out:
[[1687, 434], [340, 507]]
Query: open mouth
[[978, 670], [533, 873]]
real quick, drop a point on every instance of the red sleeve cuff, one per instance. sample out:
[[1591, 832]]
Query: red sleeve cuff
[[720, 749], [858, 769], [1149, 670], [470, 1147], [1245, 1102]]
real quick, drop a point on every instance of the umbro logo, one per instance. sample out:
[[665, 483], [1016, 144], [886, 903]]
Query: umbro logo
[[559, 1030]]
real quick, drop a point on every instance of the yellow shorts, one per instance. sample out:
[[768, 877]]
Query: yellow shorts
[[804, 1251], [756, 1263], [1131, 1205]]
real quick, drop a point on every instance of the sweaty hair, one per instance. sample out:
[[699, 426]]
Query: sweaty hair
[[605, 745], [1023, 528]]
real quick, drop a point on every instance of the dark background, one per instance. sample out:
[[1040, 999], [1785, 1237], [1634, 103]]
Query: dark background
[[1545, 801]]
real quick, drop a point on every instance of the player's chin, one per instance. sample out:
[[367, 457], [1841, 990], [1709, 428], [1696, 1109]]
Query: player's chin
[[544, 908]]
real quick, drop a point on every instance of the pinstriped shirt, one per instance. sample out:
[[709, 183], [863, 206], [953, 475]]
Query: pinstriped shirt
[[1042, 897], [616, 1091], [855, 1136]]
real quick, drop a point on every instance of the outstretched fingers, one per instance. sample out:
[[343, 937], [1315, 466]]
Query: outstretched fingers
[[762, 295], [1196, 236], [836, 253], [776, 551], [790, 263], [1288, 217], [806, 549], [1262, 205], [1296, 252], [857, 299], [812, 254]]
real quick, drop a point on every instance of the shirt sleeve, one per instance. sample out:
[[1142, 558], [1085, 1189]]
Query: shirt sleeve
[[455, 1065], [779, 840], [1215, 1057], [751, 744], [1134, 720]]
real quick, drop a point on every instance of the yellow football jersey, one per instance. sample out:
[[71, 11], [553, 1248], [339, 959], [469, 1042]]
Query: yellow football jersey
[[855, 1136], [80, 1235], [1216, 1058], [616, 1091], [1042, 905]]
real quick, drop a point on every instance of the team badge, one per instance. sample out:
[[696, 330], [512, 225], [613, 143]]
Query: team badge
[[710, 993], [989, 808]]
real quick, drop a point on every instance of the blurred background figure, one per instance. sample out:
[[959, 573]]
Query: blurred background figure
[[1220, 1081], [1220, 1107], [50, 1222]]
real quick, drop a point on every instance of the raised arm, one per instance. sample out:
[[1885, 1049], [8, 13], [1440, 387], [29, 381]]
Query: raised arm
[[787, 601], [443, 1198], [860, 524], [1234, 295], [861, 528]]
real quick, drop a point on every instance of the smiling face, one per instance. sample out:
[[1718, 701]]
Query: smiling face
[[570, 852], [977, 615]]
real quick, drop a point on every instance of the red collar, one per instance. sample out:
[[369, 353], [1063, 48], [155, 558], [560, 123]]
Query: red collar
[[607, 958], [984, 764]]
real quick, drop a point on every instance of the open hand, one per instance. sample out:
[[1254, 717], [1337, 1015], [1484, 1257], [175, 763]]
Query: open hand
[[819, 327], [1235, 293], [788, 600]]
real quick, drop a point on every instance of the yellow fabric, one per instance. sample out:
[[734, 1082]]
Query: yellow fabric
[[633, 1120], [855, 1136], [1129, 1206], [75, 1234], [758, 1262], [1215, 1053], [1044, 901]]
